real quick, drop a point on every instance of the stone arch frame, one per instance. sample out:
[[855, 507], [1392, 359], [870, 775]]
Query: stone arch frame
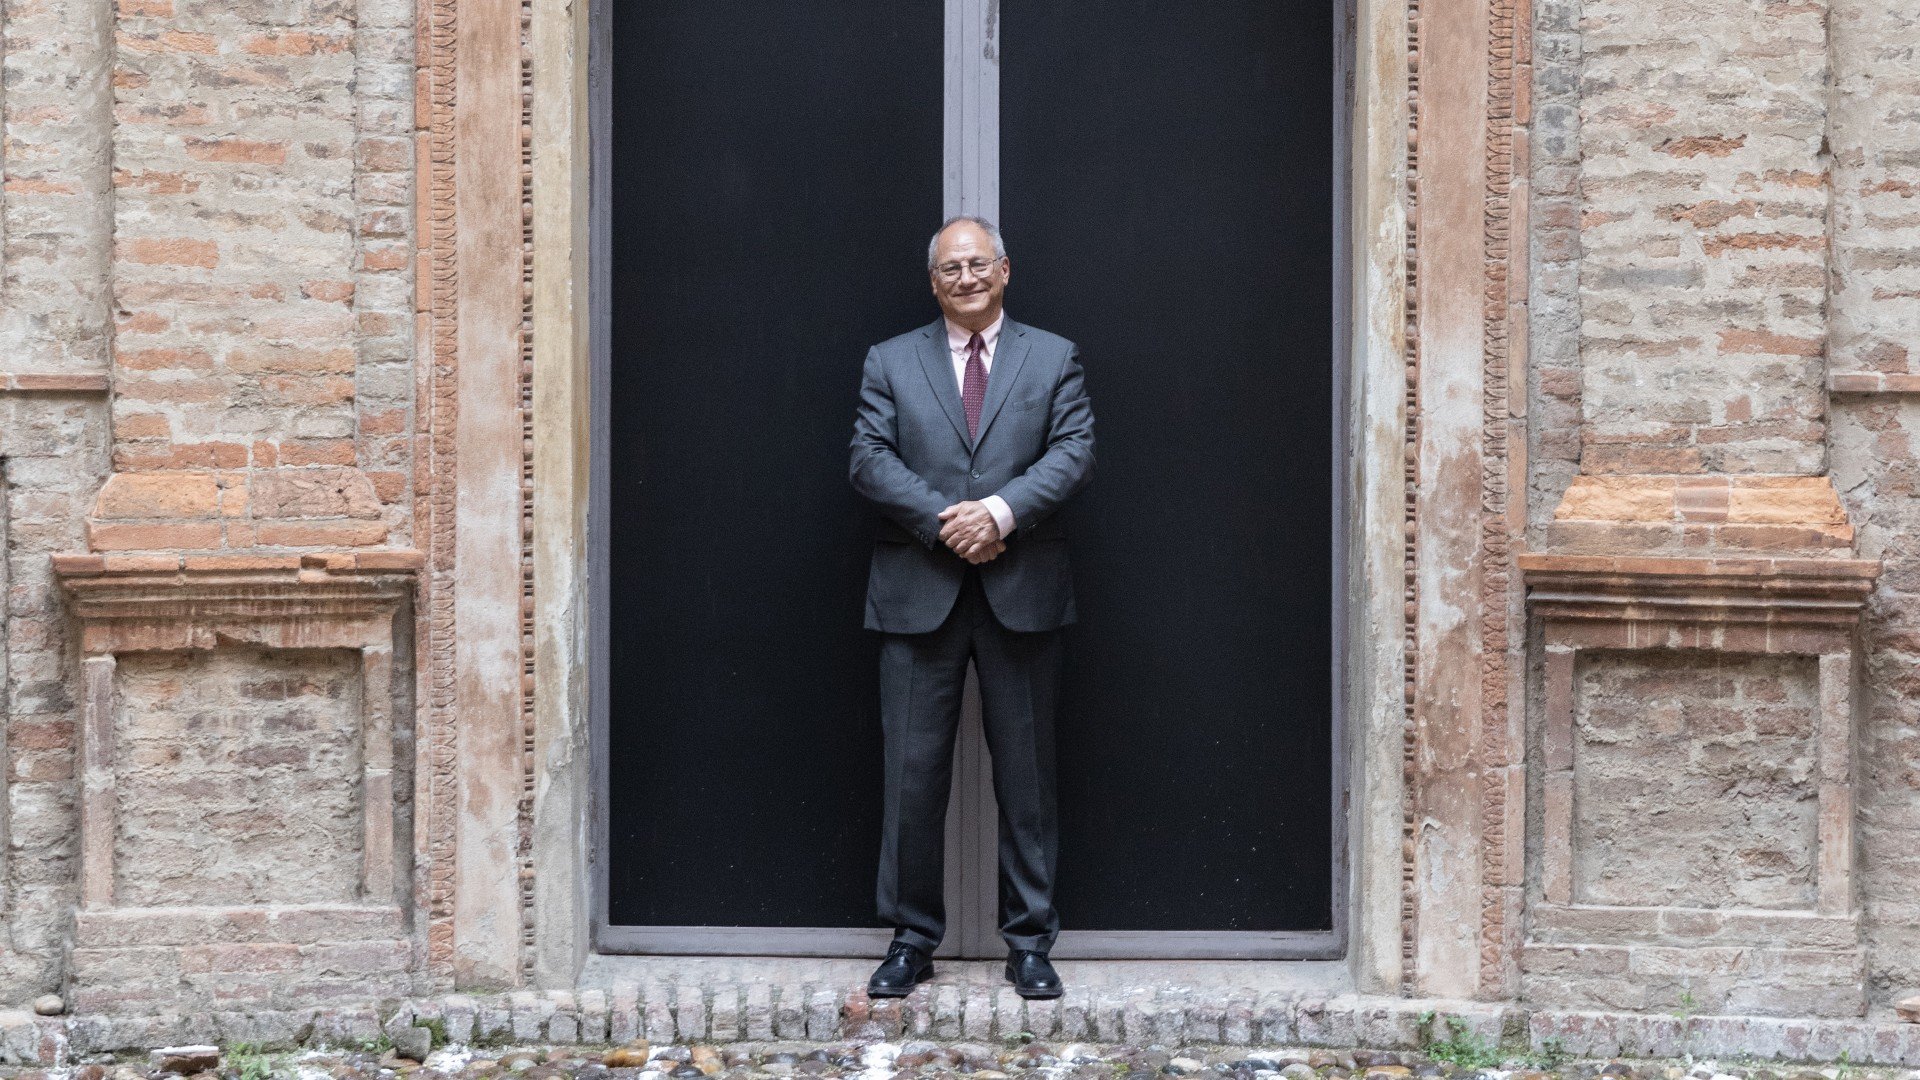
[[1436, 696]]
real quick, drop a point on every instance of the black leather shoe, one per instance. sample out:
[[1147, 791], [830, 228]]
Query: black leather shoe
[[1031, 974], [904, 968]]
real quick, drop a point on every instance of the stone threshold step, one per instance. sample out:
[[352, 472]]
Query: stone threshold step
[[1167, 1016]]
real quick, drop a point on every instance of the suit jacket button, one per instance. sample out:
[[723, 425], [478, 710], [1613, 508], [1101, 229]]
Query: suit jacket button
[[976, 476]]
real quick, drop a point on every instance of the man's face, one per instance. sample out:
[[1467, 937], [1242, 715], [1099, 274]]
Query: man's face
[[969, 299]]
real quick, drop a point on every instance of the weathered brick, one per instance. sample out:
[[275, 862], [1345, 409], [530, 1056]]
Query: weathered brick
[[142, 426], [249, 959], [298, 452], [172, 251], [122, 537], [283, 360], [248, 150], [294, 43], [312, 493], [195, 455], [321, 534], [158, 495]]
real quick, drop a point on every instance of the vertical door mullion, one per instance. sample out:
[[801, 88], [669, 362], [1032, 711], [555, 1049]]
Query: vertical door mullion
[[970, 184], [971, 176]]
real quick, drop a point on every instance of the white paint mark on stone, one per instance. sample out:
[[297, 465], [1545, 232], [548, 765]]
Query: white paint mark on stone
[[449, 1059], [876, 1061]]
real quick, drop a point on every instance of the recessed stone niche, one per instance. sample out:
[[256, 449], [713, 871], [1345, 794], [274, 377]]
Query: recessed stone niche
[[238, 830], [1695, 803]]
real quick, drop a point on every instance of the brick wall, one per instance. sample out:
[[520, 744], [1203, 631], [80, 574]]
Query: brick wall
[[1725, 205], [1703, 219], [238, 778], [57, 215], [55, 331], [1876, 325], [261, 274], [53, 449], [1695, 780], [207, 322], [1554, 430]]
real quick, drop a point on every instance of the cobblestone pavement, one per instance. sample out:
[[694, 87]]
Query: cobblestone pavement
[[1460, 1058]]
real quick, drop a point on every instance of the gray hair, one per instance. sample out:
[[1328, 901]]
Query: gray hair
[[993, 234]]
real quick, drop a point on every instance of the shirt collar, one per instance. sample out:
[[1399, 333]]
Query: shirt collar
[[958, 336]]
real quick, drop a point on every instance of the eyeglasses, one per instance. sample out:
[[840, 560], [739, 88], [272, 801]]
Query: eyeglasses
[[951, 271]]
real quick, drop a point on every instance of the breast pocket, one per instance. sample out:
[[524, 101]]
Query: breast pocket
[[1032, 402]]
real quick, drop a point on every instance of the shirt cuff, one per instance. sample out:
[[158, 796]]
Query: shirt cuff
[[1002, 514]]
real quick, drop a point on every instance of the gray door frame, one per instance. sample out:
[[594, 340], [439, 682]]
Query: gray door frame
[[970, 185]]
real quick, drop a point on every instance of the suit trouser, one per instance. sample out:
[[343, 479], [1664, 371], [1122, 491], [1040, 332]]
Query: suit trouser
[[920, 682]]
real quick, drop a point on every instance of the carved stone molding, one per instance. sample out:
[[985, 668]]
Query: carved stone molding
[[437, 358], [326, 600], [1739, 604], [1469, 68]]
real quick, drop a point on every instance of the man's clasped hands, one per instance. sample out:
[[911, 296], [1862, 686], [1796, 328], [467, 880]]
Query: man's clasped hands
[[971, 532]]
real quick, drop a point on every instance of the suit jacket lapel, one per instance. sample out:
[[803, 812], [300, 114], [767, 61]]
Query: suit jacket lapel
[[938, 364], [1009, 354]]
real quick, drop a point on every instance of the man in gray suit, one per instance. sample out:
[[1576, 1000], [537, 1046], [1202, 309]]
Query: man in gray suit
[[970, 434]]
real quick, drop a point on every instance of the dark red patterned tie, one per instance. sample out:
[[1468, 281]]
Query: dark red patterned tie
[[973, 391]]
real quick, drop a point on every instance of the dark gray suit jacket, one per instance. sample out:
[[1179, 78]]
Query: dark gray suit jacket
[[911, 456]]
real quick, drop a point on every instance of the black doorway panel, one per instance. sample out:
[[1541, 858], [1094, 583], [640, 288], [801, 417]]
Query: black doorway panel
[[775, 174], [1166, 196]]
